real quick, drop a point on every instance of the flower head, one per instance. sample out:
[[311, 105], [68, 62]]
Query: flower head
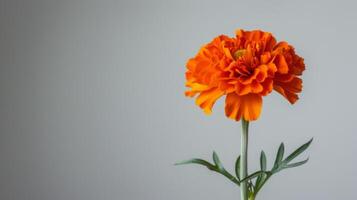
[[244, 69]]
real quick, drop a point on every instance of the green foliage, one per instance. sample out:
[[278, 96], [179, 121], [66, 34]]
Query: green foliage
[[217, 167], [261, 176], [237, 167]]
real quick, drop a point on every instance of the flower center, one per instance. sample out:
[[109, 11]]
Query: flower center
[[239, 53]]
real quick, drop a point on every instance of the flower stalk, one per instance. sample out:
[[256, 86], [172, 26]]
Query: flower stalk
[[244, 160], [244, 69]]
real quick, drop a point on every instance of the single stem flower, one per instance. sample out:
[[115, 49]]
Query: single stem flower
[[244, 69]]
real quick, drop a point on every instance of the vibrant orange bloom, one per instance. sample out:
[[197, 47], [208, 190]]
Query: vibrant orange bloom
[[245, 69]]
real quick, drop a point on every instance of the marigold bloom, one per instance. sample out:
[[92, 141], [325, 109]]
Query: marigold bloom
[[245, 69]]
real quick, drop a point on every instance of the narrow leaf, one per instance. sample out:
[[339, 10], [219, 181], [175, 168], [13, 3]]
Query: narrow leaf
[[298, 151], [237, 168], [212, 167], [199, 162], [258, 181], [261, 178], [296, 164], [229, 176], [221, 170], [217, 161], [252, 176], [263, 161], [263, 166], [279, 155]]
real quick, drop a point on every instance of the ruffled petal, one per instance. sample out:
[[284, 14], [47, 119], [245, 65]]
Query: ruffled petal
[[280, 62], [272, 69], [233, 106], [207, 99], [291, 97], [242, 89], [256, 87], [284, 77], [268, 87], [289, 89], [246, 68], [195, 88], [298, 65], [295, 85], [248, 106], [262, 73], [265, 58], [252, 106]]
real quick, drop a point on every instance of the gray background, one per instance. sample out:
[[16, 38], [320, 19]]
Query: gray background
[[92, 103]]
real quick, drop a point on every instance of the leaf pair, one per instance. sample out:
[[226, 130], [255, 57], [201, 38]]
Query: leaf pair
[[262, 175], [217, 166], [281, 164]]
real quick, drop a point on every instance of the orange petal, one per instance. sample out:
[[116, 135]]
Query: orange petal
[[289, 89], [195, 88], [247, 79], [291, 97], [265, 58], [280, 47], [240, 33], [248, 106], [242, 89], [256, 87], [233, 106], [262, 73], [268, 86], [191, 64], [252, 106], [227, 53], [226, 86], [254, 35], [284, 77], [299, 65], [280, 62], [207, 99], [270, 42], [295, 85], [272, 69], [259, 74]]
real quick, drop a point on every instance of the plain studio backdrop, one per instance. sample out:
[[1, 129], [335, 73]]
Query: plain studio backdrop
[[92, 103]]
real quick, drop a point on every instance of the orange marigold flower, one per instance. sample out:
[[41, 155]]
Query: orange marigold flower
[[244, 68]]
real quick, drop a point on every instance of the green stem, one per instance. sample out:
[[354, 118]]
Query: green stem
[[244, 159], [252, 197]]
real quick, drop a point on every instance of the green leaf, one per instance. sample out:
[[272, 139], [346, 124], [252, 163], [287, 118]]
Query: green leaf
[[263, 166], [217, 161], [261, 178], [211, 167], [280, 164], [298, 151], [296, 164], [263, 161], [221, 169], [258, 181], [252, 176], [199, 162], [279, 155], [237, 168]]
